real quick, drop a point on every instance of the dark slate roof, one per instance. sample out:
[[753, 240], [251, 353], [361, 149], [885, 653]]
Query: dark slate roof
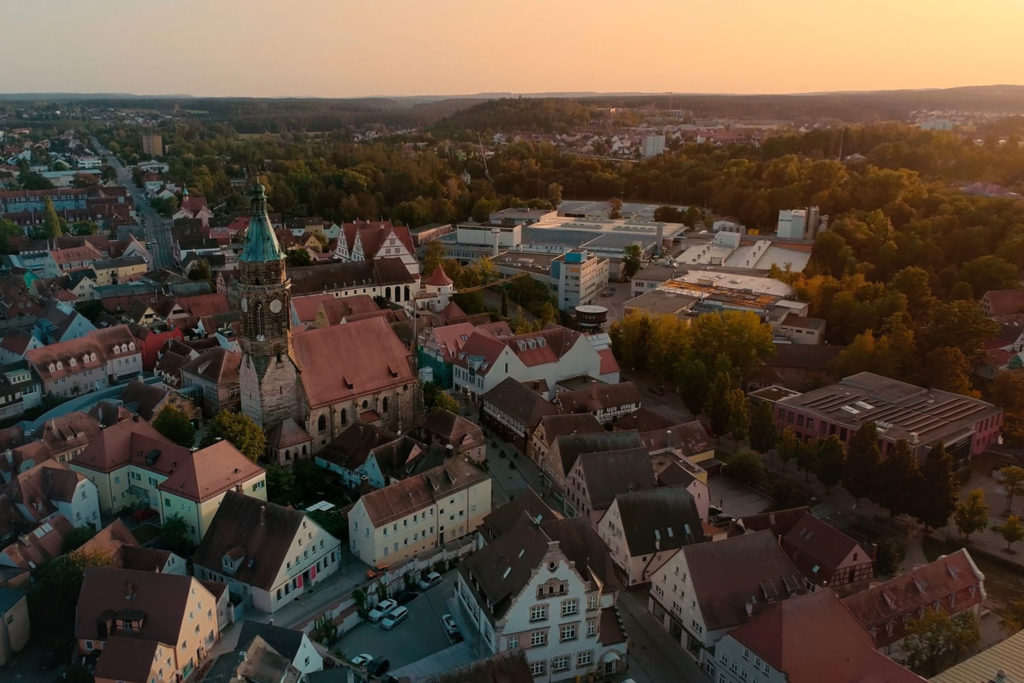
[[608, 473], [285, 640], [659, 519], [519, 402], [572, 446], [504, 518]]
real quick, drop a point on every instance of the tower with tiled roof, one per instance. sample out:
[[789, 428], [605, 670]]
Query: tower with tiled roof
[[268, 378]]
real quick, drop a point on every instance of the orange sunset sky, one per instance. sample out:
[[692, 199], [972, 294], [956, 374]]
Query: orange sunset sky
[[347, 48]]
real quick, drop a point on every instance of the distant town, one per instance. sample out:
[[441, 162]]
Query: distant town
[[511, 390]]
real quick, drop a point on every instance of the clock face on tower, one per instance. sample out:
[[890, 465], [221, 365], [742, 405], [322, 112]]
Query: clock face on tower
[[275, 306]]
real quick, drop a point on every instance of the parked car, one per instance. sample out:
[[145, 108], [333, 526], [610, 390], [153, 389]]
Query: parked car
[[374, 572], [397, 616], [430, 580], [362, 660], [405, 597], [714, 510], [383, 609], [142, 514], [658, 390], [450, 627], [378, 667], [719, 520]]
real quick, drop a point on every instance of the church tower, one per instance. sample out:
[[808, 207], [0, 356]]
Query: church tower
[[268, 378]]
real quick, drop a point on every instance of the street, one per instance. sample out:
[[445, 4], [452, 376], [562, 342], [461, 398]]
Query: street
[[158, 228]]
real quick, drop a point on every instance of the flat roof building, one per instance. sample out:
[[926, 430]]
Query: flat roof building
[[901, 411]]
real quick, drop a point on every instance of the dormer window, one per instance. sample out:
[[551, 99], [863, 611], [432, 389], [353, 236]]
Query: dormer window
[[232, 560], [131, 346], [72, 362]]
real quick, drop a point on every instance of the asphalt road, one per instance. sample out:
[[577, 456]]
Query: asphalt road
[[415, 638], [158, 228]]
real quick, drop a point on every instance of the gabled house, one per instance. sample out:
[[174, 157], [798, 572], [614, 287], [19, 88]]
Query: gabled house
[[707, 589], [547, 590], [116, 543], [825, 555], [456, 433], [267, 554], [51, 488], [31, 550], [951, 584], [215, 373], [145, 626], [562, 454], [294, 645], [596, 478], [606, 402], [258, 661], [798, 640], [513, 410], [88, 363], [551, 427], [420, 513], [134, 465], [370, 240], [644, 528]]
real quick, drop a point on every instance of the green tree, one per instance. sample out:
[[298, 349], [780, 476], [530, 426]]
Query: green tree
[[84, 228], [1011, 619], [740, 336], [718, 406], [298, 258], [281, 488], [899, 477], [763, 431], [788, 445], [630, 260], [53, 594], [971, 515], [668, 214], [446, 401], [555, 194], [831, 461], [860, 476], [614, 208], [746, 466], [200, 270], [807, 457], [51, 222], [504, 302], [936, 637], [175, 425], [1013, 483], [176, 537], [433, 256], [738, 420], [240, 430], [1012, 531], [936, 500]]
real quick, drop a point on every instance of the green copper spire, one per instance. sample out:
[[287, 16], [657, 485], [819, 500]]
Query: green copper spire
[[260, 242]]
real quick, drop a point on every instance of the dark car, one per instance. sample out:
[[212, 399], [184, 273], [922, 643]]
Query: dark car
[[378, 667], [142, 514], [658, 391], [405, 597]]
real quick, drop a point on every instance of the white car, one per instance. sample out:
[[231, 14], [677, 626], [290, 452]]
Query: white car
[[383, 608], [362, 660], [431, 579], [396, 617]]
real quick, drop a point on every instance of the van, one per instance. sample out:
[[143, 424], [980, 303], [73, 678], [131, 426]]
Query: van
[[397, 616]]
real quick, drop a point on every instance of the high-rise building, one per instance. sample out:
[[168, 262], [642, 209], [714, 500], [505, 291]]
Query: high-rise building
[[152, 144], [653, 146], [268, 375]]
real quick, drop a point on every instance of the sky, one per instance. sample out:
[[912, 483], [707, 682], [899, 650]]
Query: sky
[[356, 48]]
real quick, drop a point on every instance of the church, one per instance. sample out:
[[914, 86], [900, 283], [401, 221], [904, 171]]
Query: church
[[304, 387]]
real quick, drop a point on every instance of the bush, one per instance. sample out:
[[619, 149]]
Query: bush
[[889, 556], [789, 494]]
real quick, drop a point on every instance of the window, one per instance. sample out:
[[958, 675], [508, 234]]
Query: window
[[560, 663], [569, 607], [537, 668], [568, 632], [584, 658], [538, 613], [321, 424], [513, 643], [591, 628], [592, 602], [538, 638]]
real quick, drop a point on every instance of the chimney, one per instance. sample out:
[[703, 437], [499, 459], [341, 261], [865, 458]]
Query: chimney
[[593, 388], [263, 515]]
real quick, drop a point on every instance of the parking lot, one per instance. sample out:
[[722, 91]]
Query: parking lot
[[416, 637]]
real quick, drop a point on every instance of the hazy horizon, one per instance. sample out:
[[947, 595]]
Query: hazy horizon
[[404, 48]]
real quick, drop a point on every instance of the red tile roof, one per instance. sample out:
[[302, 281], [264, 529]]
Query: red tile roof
[[130, 442], [439, 278], [929, 586], [608, 362], [205, 304], [1005, 301], [420, 490], [210, 472], [374, 359], [813, 638]]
